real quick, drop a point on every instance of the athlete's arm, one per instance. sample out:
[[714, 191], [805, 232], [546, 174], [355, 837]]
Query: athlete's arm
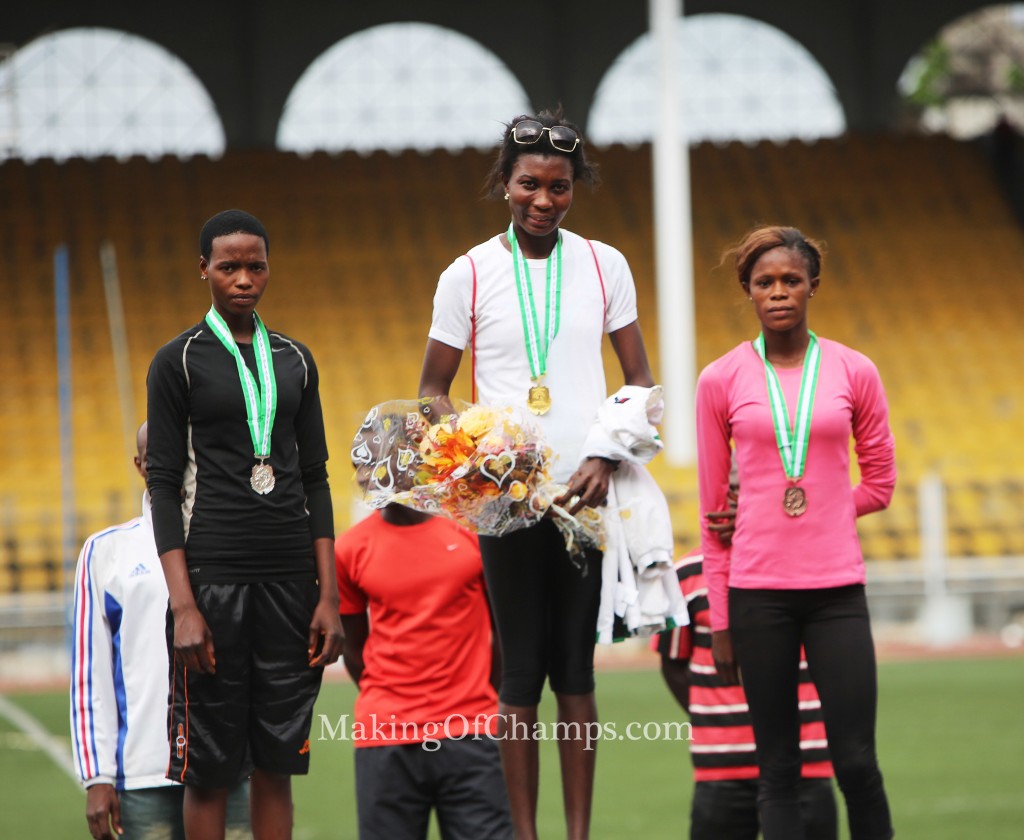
[[193, 641], [94, 716], [628, 343], [725, 659], [440, 364], [103, 811], [325, 624], [357, 631], [677, 677]]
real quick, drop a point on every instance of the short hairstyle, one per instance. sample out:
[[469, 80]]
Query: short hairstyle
[[763, 239], [227, 222], [583, 169]]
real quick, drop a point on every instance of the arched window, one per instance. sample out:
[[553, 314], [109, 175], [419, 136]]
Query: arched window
[[91, 92], [739, 79], [401, 86], [971, 76]]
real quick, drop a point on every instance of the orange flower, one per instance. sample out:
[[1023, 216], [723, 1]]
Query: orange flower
[[444, 450]]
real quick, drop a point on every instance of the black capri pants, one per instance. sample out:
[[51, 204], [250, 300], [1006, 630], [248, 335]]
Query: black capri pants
[[767, 627], [545, 608]]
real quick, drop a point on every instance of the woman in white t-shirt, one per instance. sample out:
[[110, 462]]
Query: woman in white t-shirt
[[533, 304]]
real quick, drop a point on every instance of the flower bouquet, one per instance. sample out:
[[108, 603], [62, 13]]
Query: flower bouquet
[[482, 467]]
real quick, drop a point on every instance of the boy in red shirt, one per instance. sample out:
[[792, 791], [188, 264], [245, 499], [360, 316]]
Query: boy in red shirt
[[418, 643]]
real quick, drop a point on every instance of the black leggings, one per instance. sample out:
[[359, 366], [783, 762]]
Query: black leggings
[[545, 609], [768, 626], [727, 810]]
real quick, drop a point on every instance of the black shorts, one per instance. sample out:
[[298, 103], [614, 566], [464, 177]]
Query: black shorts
[[397, 786], [256, 710]]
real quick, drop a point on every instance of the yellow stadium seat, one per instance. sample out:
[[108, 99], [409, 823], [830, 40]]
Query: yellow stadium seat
[[919, 244]]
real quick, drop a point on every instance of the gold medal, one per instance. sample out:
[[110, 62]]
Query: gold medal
[[538, 340], [539, 399], [262, 479], [794, 502]]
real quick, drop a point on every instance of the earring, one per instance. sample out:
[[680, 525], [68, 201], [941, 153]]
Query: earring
[[811, 294], [202, 277], [506, 196]]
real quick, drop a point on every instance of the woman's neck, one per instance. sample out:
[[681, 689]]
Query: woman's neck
[[533, 247], [786, 349], [242, 326]]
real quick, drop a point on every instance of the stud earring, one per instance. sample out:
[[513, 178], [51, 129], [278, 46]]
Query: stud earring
[[202, 277], [506, 196]]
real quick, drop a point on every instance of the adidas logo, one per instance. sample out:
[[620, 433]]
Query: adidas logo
[[140, 569]]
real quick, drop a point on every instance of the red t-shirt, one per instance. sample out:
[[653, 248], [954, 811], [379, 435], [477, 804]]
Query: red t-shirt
[[427, 661], [723, 737]]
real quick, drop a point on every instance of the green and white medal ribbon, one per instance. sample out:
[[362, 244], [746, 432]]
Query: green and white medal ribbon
[[537, 341], [260, 405], [793, 442]]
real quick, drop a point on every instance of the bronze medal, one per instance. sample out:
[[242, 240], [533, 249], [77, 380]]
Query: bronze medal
[[262, 479], [539, 399], [795, 501], [794, 441]]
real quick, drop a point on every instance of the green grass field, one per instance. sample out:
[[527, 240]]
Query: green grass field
[[951, 741]]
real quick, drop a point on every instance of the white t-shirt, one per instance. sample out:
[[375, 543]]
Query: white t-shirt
[[575, 372]]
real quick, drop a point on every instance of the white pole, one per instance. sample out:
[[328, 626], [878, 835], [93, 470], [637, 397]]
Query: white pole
[[931, 509], [945, 617], [673, 242]]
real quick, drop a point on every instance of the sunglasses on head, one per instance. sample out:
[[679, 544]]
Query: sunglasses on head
[[563, 138]]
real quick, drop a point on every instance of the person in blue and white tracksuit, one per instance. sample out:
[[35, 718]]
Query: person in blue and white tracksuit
[[119, 680]]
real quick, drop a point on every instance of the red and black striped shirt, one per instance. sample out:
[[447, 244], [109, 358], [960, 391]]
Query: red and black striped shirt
[[723, 738]]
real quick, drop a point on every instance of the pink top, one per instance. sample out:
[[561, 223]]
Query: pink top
[[771, 549]]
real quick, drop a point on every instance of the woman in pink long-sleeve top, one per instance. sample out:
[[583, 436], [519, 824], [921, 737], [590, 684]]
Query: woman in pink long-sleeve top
[[794, 573]]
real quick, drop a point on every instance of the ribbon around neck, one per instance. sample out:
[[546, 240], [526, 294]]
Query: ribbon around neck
[[537, 342], [260, 405], [793, 442]]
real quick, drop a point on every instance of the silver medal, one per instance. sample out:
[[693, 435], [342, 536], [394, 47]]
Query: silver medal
[[262, 479]]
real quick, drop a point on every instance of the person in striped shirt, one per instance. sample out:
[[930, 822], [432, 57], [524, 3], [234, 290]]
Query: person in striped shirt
[[722, 746]]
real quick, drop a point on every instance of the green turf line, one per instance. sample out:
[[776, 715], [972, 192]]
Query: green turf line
[[50, 745]]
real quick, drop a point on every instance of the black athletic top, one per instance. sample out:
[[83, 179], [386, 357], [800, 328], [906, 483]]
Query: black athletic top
[[200, 460]]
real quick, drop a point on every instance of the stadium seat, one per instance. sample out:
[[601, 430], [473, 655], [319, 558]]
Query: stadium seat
[[920, 246]]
